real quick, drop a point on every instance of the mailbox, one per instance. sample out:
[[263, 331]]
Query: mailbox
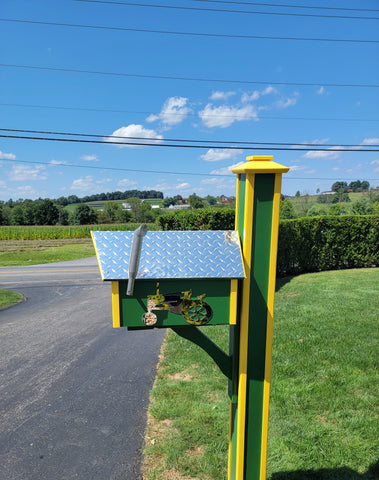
[[168, 279]]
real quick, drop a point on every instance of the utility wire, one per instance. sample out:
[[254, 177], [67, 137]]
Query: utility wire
[[160, 172], [157, 144], [113, 110], [157, 139], [197, 34], [313, 7], [190, 79], [219, 10]]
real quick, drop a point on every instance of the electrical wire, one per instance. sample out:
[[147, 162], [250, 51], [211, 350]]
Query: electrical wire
[[162, 172], [196, 34], [189, 79], [313, 7], [139, 112], [219, 10], [157, 143], [157, 139]]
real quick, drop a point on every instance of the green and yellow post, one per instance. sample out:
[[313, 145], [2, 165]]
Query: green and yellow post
[[257, 221]]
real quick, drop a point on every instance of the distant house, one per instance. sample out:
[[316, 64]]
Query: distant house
[[331, 192], [226, 200], [179, 207]]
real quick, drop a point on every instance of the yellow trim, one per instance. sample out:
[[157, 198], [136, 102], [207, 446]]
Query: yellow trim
[[237, 201], [116, 305], [233, 302], [242, 377], [270, 320], [97, 257], [230, 441], [260, 164]]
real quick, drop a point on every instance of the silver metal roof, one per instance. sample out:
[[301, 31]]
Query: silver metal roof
[[172, 254]]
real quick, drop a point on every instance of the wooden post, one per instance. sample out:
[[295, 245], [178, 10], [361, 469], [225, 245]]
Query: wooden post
[[257, 221]]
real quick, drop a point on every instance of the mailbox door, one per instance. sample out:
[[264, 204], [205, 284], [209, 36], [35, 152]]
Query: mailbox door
[[167, 303]]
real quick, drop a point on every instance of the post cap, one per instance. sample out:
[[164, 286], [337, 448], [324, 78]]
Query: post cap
[[260, 164]]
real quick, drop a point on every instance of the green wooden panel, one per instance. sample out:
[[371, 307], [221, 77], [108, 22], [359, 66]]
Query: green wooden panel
[[214, 294]]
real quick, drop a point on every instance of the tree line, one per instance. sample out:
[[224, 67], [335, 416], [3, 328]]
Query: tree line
[[98, 197]]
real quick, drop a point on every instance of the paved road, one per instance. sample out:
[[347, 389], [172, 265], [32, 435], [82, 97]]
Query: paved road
[[73, 390]]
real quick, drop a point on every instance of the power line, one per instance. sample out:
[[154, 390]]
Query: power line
[[196, 34], [157, 139], [313, 7], [223, 10], [190, 79], [114, 110], [161, 172], [176, 145]]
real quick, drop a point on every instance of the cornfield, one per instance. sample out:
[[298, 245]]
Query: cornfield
[[60, 232]]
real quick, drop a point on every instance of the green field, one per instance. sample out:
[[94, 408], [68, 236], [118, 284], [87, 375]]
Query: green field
[[323, 408], [62, 232]]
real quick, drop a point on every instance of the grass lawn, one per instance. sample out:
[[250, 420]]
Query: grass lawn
[[34, 252], [323, 409], [9, 298]]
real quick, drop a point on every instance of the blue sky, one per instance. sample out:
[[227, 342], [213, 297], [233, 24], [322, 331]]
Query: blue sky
[[166, 108]]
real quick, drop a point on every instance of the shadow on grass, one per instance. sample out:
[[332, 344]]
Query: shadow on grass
[[281, 281], [343, 473]]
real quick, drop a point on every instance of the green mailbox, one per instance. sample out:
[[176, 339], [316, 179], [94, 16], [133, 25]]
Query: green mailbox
[[171, 279]]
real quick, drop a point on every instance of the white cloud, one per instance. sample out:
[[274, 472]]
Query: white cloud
[[83, 184], [224, 116], [57, 162], [211, 181], [319, 141], [125, 182], [370, 141], [183, 185], [174, 111], [90, 158], [217, 154], [322, 91], [329, 154], [374, 162], [287, 102], [221, 95], [7, 156], [103, 181], [296, 168], [20, 173], [226, 170], [138, 132], [246, 97]]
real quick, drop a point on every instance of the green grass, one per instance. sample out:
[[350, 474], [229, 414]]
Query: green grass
[[17, 253], [8, 298], [323, 410]]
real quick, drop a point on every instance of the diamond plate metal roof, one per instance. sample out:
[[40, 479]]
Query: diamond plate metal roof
[[172, 254]]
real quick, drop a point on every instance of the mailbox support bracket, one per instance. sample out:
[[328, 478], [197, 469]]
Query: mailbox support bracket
[[194, 335]]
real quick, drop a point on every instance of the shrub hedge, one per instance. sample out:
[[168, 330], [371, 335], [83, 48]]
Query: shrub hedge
[[327, 243], [198, 219], [308, 244]]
